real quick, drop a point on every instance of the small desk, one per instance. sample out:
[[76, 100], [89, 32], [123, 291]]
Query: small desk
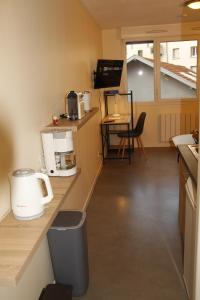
[[109, 120]]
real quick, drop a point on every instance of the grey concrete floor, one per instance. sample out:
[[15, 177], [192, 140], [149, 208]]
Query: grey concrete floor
[[133, 237]]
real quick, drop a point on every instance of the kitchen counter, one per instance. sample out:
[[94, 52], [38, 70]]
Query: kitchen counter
[[20, 239], [190, 161]]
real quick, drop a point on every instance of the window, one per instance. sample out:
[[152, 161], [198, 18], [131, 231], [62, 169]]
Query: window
[[140, 71], [175, 53], [194, 68], [176, 78], [193, 51], [178, 70], [140, 52]]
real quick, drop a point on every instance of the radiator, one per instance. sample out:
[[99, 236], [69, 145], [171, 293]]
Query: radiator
[[175, 124]]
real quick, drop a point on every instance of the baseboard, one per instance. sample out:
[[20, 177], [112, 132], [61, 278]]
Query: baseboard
[[92, 187]]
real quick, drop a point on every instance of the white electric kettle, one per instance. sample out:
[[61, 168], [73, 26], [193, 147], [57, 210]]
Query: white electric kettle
[[26, 194]]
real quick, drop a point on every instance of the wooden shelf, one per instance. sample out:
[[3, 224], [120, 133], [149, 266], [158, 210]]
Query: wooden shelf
[[20, 239], [74, 125]]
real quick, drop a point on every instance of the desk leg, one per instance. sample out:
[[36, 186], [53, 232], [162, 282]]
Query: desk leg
[[129, 144], [107, 137], [133, 147]]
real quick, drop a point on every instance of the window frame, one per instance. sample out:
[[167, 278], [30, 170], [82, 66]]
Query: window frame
[[176, 53], [140, 52]]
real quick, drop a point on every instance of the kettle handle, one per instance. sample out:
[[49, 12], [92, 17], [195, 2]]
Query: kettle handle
[[49, 196]]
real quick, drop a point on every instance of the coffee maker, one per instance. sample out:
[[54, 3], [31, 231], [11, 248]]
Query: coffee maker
[[75, 105], [59, 153]]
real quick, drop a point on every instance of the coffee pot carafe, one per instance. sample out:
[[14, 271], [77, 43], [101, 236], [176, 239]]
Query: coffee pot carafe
[[26, 194], [59, 155]]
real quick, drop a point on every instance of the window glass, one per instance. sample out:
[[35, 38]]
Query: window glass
[[175, 53], [140, 52], [140, 70], [178, 69], [194, 68]]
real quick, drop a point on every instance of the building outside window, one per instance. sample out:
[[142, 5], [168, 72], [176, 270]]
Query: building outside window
[[140, 52], [140, 69], [193, 51], [175, 53], [177, 79], [194, 68]]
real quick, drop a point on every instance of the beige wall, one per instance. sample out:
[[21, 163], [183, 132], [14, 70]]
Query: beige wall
[[114, 48], [88, 148], [47, 48]]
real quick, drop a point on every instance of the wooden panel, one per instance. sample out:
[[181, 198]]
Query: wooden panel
[[87, 145]]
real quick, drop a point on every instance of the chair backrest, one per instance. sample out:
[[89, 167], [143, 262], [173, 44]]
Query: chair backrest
[[140, 123]]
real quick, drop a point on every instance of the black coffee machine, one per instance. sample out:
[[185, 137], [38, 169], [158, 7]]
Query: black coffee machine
[[72, 105], [75, 105]]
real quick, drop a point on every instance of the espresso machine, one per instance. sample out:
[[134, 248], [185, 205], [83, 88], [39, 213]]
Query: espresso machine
[[75, 105], [59, 153]]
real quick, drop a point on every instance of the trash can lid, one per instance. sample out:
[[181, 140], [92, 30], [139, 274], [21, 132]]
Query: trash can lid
[[68, 219]]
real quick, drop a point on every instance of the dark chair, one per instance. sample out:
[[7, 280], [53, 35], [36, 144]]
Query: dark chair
[[135, 133]]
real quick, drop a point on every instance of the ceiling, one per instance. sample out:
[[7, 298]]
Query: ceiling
[[119, 13]]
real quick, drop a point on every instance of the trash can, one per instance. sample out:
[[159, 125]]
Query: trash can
[[68, 249], [56, 291]]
